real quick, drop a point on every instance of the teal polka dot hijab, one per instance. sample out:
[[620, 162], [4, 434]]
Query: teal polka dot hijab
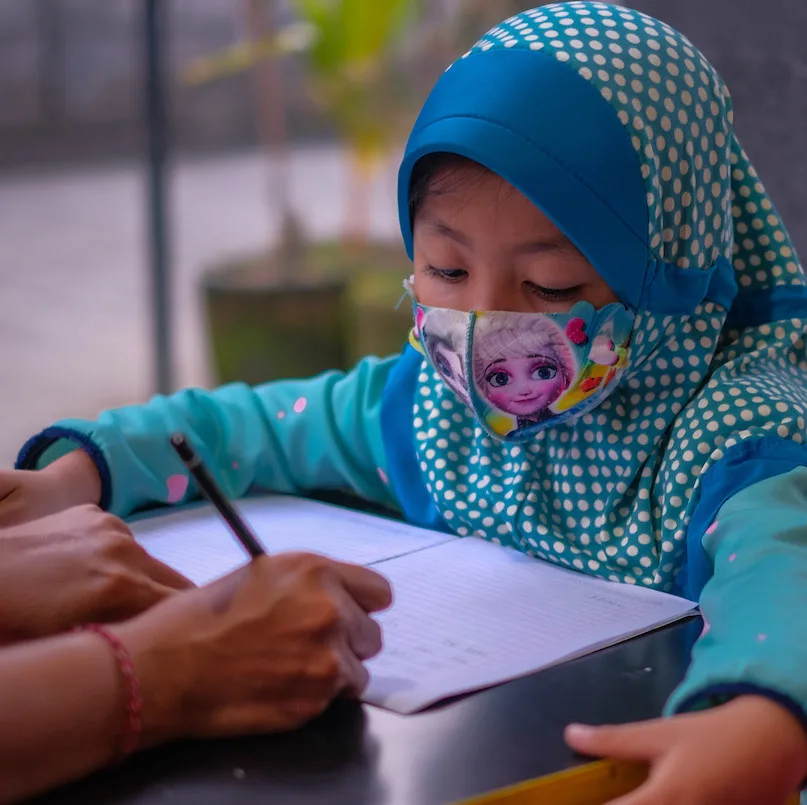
[[618, 128]]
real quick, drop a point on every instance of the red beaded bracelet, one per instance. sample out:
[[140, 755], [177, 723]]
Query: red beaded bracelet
[[134, 699]]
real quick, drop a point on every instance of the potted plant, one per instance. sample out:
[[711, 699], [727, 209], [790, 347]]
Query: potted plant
[[305, 306]]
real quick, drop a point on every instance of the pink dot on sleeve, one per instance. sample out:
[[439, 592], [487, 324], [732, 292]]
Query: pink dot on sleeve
[[712, 528], [177, 487], [706, 627], [235, 465], [762, 637], [281, 414], [383, 476], [300, 404], [732, 557]]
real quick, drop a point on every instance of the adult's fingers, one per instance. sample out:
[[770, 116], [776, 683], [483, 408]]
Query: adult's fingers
[[370, 590], [355, 675], [363, 634], [131, 600], [163, 574], [9, 483], [14, 513]]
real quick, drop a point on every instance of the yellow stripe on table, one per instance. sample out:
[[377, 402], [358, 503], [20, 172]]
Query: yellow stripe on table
[[592, 784]]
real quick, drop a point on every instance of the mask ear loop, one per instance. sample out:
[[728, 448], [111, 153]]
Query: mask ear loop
[[408, 290], [415, 336]]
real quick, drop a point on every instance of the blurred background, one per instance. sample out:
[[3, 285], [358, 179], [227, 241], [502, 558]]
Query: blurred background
[[198, 191]]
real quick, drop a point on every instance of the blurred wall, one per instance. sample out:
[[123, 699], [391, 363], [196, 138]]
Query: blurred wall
[[760, 49], [72, 251], [71, 77]]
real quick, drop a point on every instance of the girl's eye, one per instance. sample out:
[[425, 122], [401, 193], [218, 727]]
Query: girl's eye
[[553, 294], [498, 379], [544, 373], [446, 274]]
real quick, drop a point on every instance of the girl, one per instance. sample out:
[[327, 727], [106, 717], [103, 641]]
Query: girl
[[579, 154]]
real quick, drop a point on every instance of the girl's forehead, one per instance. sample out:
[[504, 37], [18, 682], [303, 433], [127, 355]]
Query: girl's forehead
[[465, 200]]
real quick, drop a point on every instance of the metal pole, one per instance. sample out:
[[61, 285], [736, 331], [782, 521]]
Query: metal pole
[[51, 63], [157, 135]]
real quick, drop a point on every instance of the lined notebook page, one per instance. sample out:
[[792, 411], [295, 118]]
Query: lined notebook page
[[469, 614], [196, 542]]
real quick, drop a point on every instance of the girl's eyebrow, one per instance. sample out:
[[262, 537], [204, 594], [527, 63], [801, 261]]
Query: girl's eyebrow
[[442, 228], [556, 242]]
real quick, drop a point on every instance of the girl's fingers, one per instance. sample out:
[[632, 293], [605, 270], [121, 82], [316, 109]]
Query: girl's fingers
[[640, 742]]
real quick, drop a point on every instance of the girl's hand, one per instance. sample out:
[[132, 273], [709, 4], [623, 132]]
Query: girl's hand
[[27, 495], [750, 751]]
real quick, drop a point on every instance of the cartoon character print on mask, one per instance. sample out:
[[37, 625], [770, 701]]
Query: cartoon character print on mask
[[445, 334], [521, 367], [521, 372], [606, 361]]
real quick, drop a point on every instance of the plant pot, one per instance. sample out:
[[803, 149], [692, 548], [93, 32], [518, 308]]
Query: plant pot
[[381, 316], [263, 328], [376, 324]]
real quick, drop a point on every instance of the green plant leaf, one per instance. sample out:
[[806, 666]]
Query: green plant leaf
[[354, 31]]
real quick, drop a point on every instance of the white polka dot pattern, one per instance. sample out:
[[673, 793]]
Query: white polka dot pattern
[[702, 191], [611, 494]]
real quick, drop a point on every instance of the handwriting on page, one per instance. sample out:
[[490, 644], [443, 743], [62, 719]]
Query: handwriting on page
[[197, 543], [469, 614]]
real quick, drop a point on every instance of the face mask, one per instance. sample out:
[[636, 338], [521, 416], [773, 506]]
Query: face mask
[[523, 372]]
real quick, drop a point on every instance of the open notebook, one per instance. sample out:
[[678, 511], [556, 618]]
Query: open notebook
[[467, 613]]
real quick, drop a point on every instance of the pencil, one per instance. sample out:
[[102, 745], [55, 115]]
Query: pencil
[[213, 492]]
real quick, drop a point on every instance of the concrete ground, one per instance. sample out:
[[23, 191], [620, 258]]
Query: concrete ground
[[74, 304]]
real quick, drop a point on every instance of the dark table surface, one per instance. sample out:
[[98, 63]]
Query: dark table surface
[[365, 756]]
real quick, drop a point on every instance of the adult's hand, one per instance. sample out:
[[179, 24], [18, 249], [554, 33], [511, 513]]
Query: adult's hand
[[261, 650], [28, 495], [74, 567], [264, 649]]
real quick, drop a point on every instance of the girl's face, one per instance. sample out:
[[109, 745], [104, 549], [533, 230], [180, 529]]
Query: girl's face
[[479, 244], [523, 386]]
